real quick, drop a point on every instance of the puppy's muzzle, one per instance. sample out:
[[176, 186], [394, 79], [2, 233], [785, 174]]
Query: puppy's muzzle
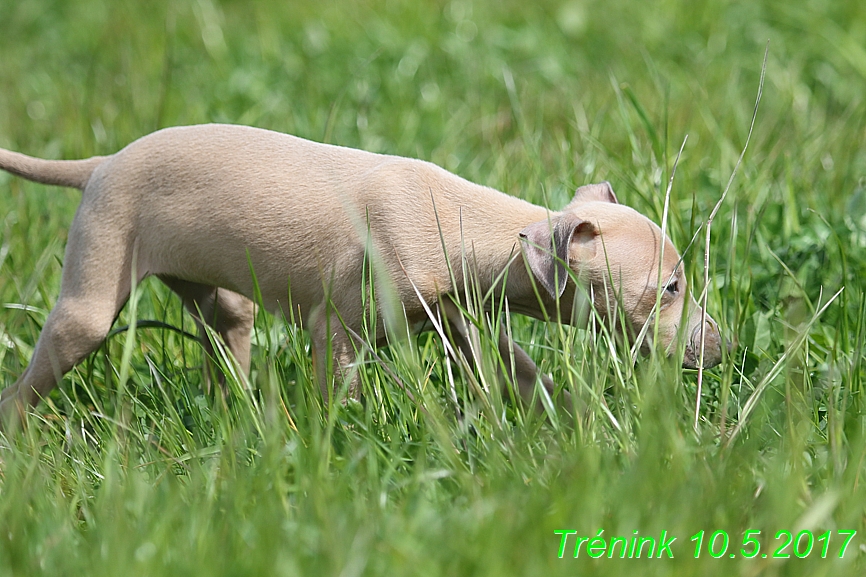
[[712, 346]]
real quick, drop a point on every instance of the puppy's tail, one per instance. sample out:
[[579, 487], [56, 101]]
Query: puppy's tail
[[72, 173]]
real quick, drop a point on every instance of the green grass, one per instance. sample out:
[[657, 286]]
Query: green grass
[[148, 475]]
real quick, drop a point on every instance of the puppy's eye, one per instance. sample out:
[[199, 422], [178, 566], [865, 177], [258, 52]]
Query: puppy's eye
[[672, 288]]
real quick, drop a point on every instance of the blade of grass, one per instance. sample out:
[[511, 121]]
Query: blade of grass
[[708, 234]]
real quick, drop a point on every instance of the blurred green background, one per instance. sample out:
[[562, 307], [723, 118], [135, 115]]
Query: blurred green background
[[532, 98]]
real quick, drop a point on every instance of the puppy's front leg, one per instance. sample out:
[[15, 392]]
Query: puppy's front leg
[[333, 366], [523, 372]]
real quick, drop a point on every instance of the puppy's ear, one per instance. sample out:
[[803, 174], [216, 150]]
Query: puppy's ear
[[601, 192], [546, 246]]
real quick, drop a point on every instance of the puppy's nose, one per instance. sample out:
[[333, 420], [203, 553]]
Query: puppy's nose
[[712, 346]]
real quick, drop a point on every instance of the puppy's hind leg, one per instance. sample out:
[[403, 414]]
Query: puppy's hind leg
[[227, 312], [95, 285]]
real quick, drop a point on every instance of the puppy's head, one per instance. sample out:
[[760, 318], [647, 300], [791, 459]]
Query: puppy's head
[[616, 253]]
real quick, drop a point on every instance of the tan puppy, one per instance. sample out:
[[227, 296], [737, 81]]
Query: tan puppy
[[203, 206]]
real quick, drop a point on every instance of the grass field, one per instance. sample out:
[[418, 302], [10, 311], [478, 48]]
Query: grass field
[[130, 469]]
